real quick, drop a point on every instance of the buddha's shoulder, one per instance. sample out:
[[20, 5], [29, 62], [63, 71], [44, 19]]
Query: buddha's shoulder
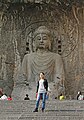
[[30, 54], [55, 54], [33, 54]]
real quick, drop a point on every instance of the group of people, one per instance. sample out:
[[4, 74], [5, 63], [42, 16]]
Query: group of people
[[3, 96], [42, 92], [43, 60]]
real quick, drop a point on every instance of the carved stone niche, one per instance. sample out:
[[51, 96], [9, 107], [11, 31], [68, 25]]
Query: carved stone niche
[[40, 58]]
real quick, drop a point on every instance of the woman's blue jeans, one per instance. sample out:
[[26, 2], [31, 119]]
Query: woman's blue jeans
[[43, 100]]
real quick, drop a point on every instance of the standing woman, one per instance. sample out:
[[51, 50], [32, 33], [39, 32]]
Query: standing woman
[[42, 88]]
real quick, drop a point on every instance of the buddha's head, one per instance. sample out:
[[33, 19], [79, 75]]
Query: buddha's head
[[42, 38]]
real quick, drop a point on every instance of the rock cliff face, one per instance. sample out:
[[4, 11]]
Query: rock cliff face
[[17, 24]]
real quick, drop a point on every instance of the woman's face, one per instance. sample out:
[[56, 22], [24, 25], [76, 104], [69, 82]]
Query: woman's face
[[41, 76]]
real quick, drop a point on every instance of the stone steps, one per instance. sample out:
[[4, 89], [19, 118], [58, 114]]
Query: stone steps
[[55, 110]]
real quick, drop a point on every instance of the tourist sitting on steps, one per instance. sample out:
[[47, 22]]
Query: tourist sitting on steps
[[80, 96], [9, 97], [3, 97], [61, 97], [27, 97]]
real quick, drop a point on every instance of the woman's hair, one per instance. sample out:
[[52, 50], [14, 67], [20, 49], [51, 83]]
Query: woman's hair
[[79, 92], [42, 73]]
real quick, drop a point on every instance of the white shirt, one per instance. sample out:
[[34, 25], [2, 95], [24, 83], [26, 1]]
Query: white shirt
[[4, 97], [41, 86], [80, 97]]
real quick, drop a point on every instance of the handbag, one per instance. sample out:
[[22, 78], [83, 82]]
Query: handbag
[[40, 96]]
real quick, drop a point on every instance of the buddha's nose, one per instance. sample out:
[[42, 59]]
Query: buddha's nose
[[41, 40]]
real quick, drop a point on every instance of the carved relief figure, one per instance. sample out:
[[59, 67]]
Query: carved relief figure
[[43, 60]]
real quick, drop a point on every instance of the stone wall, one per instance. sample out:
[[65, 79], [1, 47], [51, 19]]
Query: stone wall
[[17, 23]]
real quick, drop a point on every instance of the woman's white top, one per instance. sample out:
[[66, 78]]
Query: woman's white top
[[41, 88]]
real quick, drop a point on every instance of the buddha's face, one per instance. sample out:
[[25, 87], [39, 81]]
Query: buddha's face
[[42, 41]]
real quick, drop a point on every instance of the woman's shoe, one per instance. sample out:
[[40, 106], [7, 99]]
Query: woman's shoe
[[42, 109], [36, 110]]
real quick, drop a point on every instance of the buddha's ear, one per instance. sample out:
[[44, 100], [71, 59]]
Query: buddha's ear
[[49, 43], [34, 45]]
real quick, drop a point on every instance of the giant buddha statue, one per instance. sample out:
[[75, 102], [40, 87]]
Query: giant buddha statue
[[43, 60]]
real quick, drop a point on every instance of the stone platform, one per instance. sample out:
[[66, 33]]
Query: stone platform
[[55, 110]]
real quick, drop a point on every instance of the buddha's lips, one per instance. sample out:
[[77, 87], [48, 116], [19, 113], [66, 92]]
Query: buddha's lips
[[41, 44]]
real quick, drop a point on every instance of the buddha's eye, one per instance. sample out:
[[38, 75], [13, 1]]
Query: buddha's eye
[[44, 38], [38, 38]]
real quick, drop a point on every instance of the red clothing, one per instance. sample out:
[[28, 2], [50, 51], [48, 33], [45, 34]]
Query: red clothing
[[9, 98]]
